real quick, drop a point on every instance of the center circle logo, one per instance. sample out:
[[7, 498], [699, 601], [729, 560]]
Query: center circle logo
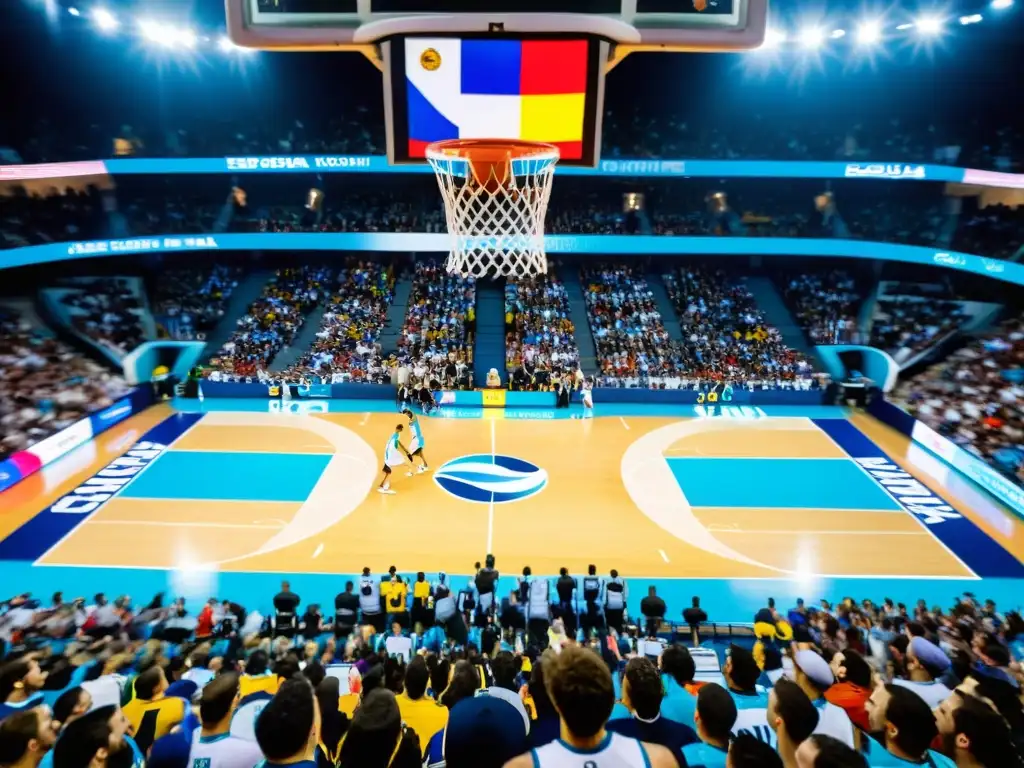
[[484, 478]]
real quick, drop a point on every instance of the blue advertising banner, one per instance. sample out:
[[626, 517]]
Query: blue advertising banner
[[628, 245], [962, 537]]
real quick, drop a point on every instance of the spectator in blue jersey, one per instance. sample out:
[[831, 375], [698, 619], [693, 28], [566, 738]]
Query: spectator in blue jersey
[[98, 739], [20, 683], [747, 751], [925, 664], [821, 751], [288, 728], [904, 727], [642, 694], [677, 672], [741, 674], [714, 718], [791, 716], [26, 737], [216, 747]]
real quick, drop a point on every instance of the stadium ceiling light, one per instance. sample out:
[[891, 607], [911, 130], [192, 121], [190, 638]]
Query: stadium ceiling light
[[225, 44], [812, 37], [104, 20], [869, 32], [1001, 5], [929, 25], [904, 27], [974, 18], [837, 34], [74, 11], [187, 38]]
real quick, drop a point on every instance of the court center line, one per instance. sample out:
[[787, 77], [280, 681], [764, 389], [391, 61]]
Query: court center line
[[319, 549], [184, 524], [624, 422], [661, 551]]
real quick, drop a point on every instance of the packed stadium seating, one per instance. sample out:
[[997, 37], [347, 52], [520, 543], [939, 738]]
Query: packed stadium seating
[[538, 328], [187, 303], [109, 311], [825, 304]]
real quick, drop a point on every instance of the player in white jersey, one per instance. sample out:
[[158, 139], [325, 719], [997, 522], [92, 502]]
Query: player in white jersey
[[417, 443], [395, 454], [214, 746], [588, 401], [580, 687]]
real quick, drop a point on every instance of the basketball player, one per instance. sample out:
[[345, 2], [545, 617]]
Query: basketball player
[[393, 452], [417, 443], [588, 400]]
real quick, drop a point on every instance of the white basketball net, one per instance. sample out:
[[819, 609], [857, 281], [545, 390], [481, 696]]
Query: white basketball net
[[496, 225]]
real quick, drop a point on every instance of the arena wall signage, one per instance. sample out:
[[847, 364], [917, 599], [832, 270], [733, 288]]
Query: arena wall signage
[[610, 167], [608, 245]]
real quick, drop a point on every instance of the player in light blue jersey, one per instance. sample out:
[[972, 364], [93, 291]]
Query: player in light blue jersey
[[417, 443], [395, 455]]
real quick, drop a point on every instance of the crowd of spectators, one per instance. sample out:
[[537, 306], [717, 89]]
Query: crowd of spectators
[[633, 347], [436, 342], [346, 348], [726, 338], [996, 231], [271, 322], [825, 304], [975, 397], [188, 303], [45, 386], [414, 673], [59, 216], [905, 325], [109, 311], [539, 333]]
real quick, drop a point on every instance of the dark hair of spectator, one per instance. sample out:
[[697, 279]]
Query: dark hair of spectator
[[287, 666], [16, 731], [147, 683], [504, 670], [914, 721], [283, 727], [1004, 696], [580, 687], [527, 571], [744, 671], [858, 671], [614, 573], [332, 722], [374, 732], [82, 740], [799, 716], [591, 570], [833, 753], [915, 629], [989, 737], [218, 696], [563, 571], [12, 673], [417, 676], [394, 674], [645, 690], [489, 561], [315, 673], [464, 684], [439, 675], [257, 663], [677, 662], [65, 705], [542, 705], [900, 643], [747, 751], [717, 711]]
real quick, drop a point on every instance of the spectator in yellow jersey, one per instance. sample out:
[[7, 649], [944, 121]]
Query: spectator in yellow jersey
[[419, 711], [151, 713], [257, 677], [397, 594]]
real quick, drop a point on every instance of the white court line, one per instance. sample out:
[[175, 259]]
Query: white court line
[[490, 507], [184, 524], [319, 549], [663, 555], [208, 501], [801, 532], [131, 480], [366, 418], [624, 422]]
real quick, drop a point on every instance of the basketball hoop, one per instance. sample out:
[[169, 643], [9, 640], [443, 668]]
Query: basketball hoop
[[496, 194]]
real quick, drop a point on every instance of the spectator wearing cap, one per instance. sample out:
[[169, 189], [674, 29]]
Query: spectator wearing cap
[[821, 751], [926, 663], [20, 683], [216, 747], [852, 688], [792, 717], [483, 732], [747, 751], [813, 674], [905, 728], [288, 728], [419, 711], [681, 690], [98, 739], [26, 737], [580, 687], [377, 738], [715, 717], [642, 695], [741, 673], [152, 713]]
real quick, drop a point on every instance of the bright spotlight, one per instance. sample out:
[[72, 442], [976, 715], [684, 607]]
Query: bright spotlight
[[1001, 5], [74, 11], [812, 38], [904, 27], [929, 25], [974, 18], [225, 44], [104, 20], [838, 34], [152, 31], [774, 38], [186, 38], [869, 32]]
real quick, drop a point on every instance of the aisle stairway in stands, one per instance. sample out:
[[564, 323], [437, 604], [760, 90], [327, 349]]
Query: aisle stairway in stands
[[489, 347], [769, 301], [248, 290], [570, 276], [307, 335], [392, 329], [666, 307]]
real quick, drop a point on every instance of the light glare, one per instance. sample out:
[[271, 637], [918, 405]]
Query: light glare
[[929, 25], [811, 37], [104, 20], [869, 32]]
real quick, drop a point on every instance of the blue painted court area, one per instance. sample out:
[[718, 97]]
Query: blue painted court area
[[781, 483], [218, 476]]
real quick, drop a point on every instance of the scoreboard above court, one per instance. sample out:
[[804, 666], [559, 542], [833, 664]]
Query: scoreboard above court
[[635, 25]]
